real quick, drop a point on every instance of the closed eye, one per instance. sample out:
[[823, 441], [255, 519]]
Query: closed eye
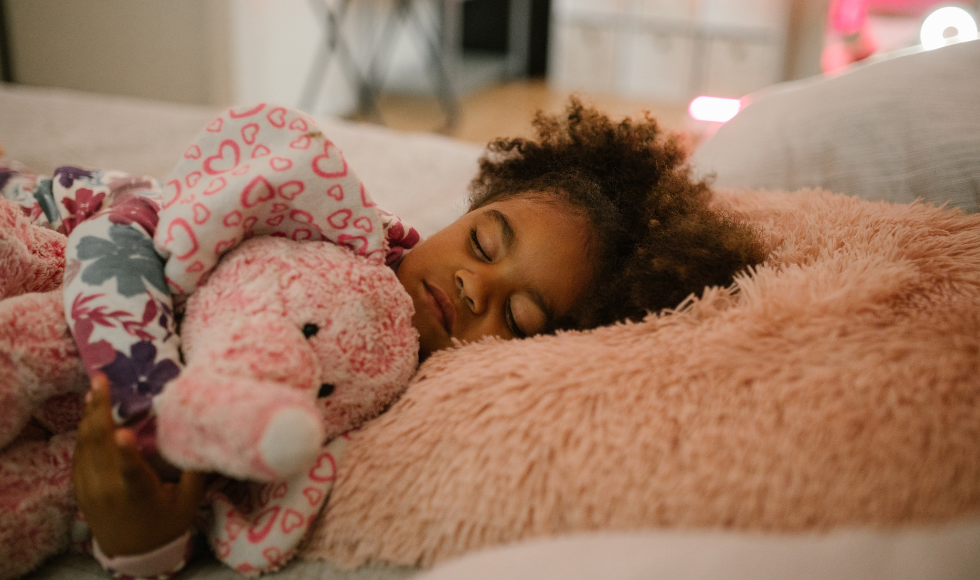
[[476, 245], [511, 323]]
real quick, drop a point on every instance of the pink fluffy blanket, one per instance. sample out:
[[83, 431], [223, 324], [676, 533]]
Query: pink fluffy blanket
[[837, 385]]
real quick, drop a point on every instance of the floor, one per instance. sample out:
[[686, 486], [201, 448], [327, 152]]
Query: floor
[[507, 110]]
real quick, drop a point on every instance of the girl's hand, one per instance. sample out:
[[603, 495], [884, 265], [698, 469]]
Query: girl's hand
[[129, 510]]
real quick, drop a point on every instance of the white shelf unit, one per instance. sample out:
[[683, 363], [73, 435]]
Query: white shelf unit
[[668, 50]]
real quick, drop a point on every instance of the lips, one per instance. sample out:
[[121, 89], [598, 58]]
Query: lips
[[442, 307]]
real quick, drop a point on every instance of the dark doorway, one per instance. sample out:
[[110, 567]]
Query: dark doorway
[[485, 30]]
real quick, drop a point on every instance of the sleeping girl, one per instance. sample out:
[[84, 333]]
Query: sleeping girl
[[590, 223]]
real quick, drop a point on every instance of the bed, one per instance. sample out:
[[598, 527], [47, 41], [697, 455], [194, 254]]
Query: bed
[[716, 533]]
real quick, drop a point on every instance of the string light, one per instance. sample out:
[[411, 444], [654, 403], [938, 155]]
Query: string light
[[714, 109], [933, 31]]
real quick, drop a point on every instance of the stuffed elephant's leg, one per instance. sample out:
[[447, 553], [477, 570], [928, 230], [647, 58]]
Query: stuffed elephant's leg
[[241, 427], [37, 503], [260, 531], [38, 359]]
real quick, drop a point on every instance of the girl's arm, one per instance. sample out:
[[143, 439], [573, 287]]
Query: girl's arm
[[116, 300], [129, 510]]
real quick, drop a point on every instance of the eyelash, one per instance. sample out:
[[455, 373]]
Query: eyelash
[[476, 244], [511, 323], [508, 313]]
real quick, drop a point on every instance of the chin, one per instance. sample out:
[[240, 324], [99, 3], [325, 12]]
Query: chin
[[430, 339], [427, 346]]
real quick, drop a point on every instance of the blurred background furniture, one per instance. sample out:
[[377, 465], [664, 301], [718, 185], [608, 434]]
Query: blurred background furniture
[[484, 65], [444, 61], [669, 50]]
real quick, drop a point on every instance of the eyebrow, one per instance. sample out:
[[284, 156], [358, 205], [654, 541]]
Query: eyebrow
[[509, 239], [501, 220]]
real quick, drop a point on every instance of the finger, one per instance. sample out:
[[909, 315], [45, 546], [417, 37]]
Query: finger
[[79, 464], [190, 490], [98, 390], [84, 423], [90, 460], [97, 424], [100, 398], [101, 432], [139, 477], [125, 441]]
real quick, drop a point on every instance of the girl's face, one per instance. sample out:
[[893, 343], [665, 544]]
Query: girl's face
[[511, 269]]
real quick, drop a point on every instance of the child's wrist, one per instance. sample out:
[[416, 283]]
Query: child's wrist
[[164, 560]]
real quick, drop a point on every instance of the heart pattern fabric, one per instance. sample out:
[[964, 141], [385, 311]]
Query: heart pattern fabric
[[256, 527], [249, 163], [135, 250]]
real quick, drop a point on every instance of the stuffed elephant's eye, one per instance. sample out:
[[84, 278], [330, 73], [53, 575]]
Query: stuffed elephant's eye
[[310, 329], [326, 390]]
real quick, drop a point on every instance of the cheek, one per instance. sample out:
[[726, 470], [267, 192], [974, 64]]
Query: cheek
[[431, 337], [484, 327], [406, 270], [527, 315]]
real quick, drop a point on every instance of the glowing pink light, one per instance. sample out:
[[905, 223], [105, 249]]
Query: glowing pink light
[[714, 109]]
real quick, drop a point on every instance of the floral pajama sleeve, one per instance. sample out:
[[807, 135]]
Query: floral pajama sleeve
[[119, 309], [137, 249]]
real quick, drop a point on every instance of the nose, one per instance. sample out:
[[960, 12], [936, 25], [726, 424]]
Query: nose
[[473, 290]]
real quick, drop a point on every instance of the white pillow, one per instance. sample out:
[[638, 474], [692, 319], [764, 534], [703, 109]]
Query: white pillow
[[950, 552], [895, 130]]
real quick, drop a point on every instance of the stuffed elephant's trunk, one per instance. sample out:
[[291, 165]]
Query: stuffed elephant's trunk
[[241, 427], [245, 404]]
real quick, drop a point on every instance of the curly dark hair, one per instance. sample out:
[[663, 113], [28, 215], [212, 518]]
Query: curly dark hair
[[655, 238]]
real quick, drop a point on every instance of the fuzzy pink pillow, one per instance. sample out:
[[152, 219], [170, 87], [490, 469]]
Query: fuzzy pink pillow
[[840, 386]]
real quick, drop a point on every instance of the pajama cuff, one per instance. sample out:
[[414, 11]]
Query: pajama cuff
[[159, 564]]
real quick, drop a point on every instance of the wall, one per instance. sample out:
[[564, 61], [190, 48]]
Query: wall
[[175, 50], [214, 52], [274, 44]]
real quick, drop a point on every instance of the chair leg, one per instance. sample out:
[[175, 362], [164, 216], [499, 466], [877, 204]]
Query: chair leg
[[334, 43], [368, 87], [437, 68]]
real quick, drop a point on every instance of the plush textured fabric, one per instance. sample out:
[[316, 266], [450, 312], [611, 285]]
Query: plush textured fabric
[[38, 363], [31, 258], [37, 502], [37, 357], [276, 323], [839, 387], [251, 363]]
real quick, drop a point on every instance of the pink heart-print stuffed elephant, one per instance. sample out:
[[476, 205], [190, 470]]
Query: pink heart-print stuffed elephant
[[288, 345]]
